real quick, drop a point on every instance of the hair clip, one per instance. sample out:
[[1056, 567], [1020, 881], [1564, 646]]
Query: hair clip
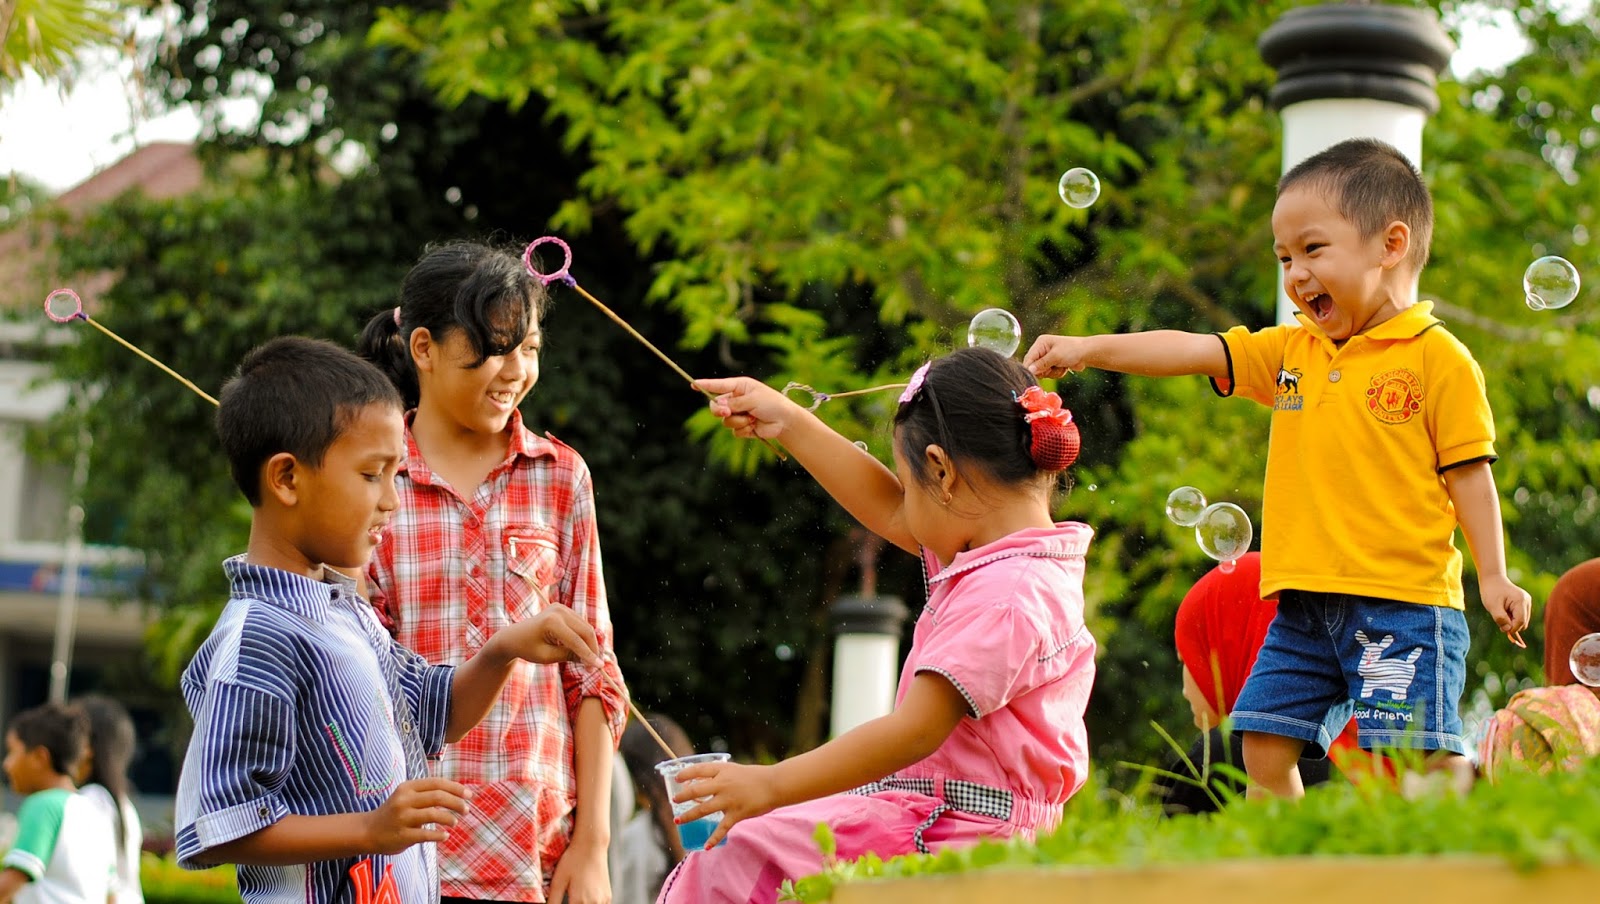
[[397, 316], [919, 377], [1040, 404]]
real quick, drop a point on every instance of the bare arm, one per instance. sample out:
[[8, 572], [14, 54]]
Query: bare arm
[[581, 875], [868, 491], [924, 719], [12, 880], [1472, 490], [419, 810], [1157, 353], [555, 634]]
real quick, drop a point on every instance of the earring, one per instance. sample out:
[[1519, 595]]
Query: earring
[[946, 500]]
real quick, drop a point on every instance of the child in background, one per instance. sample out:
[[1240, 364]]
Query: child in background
[[63, 853], [1381, 444], [987, 738], [496, 523], [103, 778], [307, 766], [648, 845]]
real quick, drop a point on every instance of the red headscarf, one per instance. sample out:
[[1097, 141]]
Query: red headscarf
[[1572, 611], [1222, 623]]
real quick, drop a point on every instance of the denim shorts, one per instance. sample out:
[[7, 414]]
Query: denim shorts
[[1398, 669]]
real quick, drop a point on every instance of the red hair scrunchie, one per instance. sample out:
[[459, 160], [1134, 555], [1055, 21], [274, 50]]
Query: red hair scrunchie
[[1054, 440]]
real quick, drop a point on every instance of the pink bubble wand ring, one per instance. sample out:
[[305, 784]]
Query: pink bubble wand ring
[[78, 314], [564, 275]]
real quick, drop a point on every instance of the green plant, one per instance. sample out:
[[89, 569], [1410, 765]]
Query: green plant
[[164, 882], [1529, 820]]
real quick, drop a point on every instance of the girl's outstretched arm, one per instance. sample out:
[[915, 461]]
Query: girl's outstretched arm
[[859, 482], [924, 719]]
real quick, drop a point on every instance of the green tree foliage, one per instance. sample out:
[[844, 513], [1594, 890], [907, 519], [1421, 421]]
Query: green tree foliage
[[708, 574], [825, 192], [910, 151], [45, 36]]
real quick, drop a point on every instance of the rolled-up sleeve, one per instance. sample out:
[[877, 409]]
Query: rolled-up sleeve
[[582, 588], [239, 756]]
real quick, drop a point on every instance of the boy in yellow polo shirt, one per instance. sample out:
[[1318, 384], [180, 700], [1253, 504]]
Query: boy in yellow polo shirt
[[1381, 444]]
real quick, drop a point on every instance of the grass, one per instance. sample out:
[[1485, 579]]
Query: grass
[[1528, 820], [164, 882]]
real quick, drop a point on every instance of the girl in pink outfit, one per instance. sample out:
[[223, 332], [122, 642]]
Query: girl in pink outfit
[[987, 738]]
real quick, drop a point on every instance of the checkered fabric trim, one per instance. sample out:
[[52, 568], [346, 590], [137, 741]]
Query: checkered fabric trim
[[965, 797]]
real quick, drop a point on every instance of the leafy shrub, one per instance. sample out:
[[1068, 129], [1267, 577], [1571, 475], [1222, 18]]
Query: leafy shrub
[[1529, 820]]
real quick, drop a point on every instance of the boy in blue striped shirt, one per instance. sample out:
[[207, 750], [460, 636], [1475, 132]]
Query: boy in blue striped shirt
[[308, 763]]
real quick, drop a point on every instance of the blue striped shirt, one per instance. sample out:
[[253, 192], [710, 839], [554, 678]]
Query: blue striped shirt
[[303, 704]]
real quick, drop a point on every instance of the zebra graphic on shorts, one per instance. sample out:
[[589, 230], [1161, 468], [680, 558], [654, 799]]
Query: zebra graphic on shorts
[[1379, 674]]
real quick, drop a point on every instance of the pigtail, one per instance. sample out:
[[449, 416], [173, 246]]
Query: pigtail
[[384, 342]]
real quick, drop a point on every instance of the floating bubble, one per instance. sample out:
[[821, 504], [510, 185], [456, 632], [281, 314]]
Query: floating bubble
[[1226, 566], [1550, 281], [862, 445], [784, 652], [1224, 532], [1078, 187], [1585, 660], [1184, 506], [996, 329]]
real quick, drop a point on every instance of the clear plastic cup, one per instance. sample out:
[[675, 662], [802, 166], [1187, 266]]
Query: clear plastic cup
[[695, 833]]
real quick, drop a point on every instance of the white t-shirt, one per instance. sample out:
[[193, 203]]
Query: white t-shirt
[[642, 864], [65, 846], [125, 888]]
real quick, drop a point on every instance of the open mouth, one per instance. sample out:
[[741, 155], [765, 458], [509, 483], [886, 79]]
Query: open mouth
[[1320, 305], [375, 534], [503, 399]]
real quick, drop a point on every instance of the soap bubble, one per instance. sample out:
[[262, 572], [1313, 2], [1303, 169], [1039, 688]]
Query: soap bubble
[[862, 445], [1224, 532], [1585, 660], [1078, 187], [996, 329], [1184, 506], [1550, 282]]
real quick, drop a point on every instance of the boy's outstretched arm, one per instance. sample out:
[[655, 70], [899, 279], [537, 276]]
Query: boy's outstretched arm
[[419, 810], [1157, 353], [1471, 488], [555, 634]]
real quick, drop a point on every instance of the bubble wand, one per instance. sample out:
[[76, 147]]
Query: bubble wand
[[564, 275], [78, 314], [818, 397]]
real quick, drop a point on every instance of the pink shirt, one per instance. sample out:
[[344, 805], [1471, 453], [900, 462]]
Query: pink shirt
[[1004, 623]]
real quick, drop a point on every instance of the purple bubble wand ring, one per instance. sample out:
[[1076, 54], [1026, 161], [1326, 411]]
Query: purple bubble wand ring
[[78, 314], [564, 275]]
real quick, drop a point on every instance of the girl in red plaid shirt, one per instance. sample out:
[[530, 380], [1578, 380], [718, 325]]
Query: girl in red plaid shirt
[[495, 523]]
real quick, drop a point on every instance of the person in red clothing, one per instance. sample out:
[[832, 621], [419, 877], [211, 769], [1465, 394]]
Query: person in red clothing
[[494, 524], [1221, 625]]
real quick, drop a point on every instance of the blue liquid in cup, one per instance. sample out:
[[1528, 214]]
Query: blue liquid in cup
[[694, 834]]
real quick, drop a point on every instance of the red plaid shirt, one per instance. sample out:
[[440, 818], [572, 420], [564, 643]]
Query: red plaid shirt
[[452, 571]]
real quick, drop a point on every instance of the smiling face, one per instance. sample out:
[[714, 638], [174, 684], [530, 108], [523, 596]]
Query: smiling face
[[345, 503], [477, 400], [1341, 281]]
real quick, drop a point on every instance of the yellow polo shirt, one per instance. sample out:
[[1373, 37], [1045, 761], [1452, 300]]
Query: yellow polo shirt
[[1355, 500]]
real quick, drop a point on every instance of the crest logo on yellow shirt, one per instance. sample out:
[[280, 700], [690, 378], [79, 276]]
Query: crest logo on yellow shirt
[[1288, 397], [1394, 396]]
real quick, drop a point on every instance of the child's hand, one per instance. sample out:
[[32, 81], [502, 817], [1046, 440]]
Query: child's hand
[[419, 810], [750, 408], [739, 792], [1055, 356], [556, 634], [1510, 605]]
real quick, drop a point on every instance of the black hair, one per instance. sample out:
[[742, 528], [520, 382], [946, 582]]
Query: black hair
[[63, 731], [295, 395], [641, 753], [112, 742], [483, 291], [1371, 184], [968, 406]]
